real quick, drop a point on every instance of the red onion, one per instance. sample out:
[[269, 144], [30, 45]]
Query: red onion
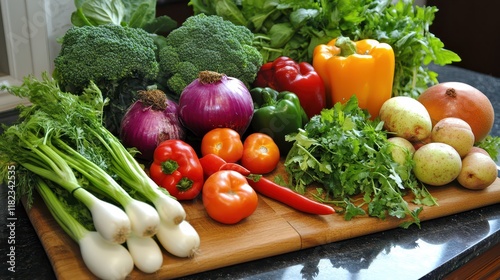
[[215, 100], [152, 119]]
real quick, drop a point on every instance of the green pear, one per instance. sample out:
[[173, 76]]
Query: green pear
[[478, 171], [406, 117], [401, 149], [437, 164], [454, 132]]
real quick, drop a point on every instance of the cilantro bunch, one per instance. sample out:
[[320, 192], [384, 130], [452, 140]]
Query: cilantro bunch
[[348, 155]]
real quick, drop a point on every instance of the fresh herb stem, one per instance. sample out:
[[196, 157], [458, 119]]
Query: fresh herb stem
[[100, 180], [131, 173], [67, 222]]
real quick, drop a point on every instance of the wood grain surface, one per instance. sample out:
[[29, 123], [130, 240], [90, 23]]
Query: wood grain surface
[[272, 229]]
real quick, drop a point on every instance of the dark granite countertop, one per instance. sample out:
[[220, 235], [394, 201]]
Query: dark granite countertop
[[431, 252]]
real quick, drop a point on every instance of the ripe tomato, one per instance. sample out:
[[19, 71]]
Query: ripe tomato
[[260, 153], [228, 198], [224, 142]]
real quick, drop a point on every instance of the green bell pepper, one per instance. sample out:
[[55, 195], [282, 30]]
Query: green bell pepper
[[277, 114]]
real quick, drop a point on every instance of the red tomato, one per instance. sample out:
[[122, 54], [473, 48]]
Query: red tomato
[[228, 198], [260, 153], [224, 142]]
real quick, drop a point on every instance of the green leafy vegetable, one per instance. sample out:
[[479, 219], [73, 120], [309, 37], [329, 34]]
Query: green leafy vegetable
[[491, 145], [119, 60], [348, 155], [131, 13], [294, 28]]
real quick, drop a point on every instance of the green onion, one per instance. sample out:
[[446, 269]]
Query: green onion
[[104, 259], [131, 173], [143, 217], [37, 155]]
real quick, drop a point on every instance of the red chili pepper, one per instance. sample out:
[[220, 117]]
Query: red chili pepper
[[236, 167], [285, 195], [211, 163], [176, 168], [284, 74], [268, 188]]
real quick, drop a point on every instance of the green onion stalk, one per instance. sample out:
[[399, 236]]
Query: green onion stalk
[[104, 259], [36, 155], [143, 217]]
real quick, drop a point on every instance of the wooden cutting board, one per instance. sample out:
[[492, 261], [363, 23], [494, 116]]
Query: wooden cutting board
[[272, 229]]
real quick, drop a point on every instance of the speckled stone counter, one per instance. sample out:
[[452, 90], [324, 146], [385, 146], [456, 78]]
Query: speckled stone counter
[[431, 252]]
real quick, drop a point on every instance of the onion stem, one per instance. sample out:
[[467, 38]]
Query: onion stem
[[143, 217], [132, 175], [44, 160], [68, 223], [209, 77], [154, 98]]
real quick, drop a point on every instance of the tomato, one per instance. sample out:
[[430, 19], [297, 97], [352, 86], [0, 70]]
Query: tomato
[[224, 142], [228, 198], [260, 153]]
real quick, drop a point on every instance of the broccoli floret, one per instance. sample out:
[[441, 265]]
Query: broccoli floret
[[105, 53], [120, 60], [184, 71], [208, 43]]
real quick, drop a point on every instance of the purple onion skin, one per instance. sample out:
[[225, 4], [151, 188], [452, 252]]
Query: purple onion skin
[[226, 103], [145, 128]]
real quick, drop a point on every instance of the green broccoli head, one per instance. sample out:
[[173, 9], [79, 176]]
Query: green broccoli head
[[105, 54], [208, 43], [119, 60]]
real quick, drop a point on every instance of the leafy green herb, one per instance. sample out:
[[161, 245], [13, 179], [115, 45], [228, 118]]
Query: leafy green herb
[[294, 28], [348, 155], [491, 145]]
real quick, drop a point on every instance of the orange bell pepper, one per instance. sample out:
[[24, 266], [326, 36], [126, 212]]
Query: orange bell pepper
[[364, 68]]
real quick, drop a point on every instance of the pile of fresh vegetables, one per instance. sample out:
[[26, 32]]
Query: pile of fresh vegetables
[[99, 194], [141, 115]]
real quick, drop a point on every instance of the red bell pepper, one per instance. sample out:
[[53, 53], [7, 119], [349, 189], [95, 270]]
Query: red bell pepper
[[177, 168], [284, 74]]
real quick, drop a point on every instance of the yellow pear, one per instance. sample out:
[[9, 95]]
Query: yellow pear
[[437, 164], [454, 132], [406, 117], [478, 171]]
